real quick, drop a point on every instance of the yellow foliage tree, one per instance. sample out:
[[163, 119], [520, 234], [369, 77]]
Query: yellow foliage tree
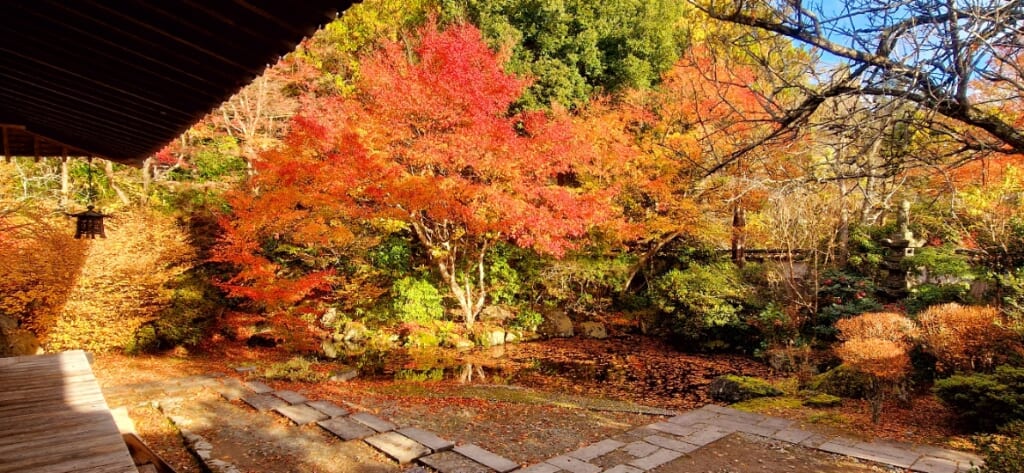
[[877, 344]]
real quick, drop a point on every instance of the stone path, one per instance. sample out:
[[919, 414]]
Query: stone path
[[651, 447]]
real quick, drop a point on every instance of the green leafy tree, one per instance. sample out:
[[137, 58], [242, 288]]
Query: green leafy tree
[[575, 48]]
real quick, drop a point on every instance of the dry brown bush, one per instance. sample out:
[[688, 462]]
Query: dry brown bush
[[878, 344], [967, 338]]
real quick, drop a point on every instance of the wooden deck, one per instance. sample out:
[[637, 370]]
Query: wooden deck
[[53, 418]]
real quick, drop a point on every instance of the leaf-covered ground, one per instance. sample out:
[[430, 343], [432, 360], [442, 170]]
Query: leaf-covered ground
[[532, 401]]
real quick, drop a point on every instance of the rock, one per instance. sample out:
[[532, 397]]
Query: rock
[[496, 314], [8, 324], [594, 330], [18, 342], [263, 340], [822, 400], [491, 336], [510, 337], [343, 375], [354, 332], [556, 324], [732, 388], [330, 349], [462, 343], [330, 317]]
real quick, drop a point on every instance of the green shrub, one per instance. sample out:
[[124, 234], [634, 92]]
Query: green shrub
[[841, 295], [985, 401], [842, 381], [1003, 453], [393, 255], [416, 300], [700, 298], [295, 369], [526, 319], [924, 296]]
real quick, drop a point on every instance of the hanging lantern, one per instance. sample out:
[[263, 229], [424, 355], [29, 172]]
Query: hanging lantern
[[89, 224]]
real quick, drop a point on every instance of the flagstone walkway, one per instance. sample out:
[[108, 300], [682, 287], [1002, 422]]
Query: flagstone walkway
[[651, 448]]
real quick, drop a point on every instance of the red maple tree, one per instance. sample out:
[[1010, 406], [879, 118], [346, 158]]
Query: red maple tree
[[427, 141]]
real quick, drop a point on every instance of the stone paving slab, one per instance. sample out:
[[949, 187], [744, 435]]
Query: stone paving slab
[[640, 448], [573, 465], [428, 439], [263, 402], [373, 422], [346, 428], [540, 468], [397, 446], [595, 450], [291, 397], [706, 436], [656, 459], [792, 435], [486, 458], [623, 469], [451, 462], [676, 429], [301, 414], [939, 465], [693, 417], [329, 408], [258, 387], [232, 393], [671, 444]]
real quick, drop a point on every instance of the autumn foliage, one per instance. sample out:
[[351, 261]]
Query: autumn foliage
[[967, 338], [877, 344], [427, 143]]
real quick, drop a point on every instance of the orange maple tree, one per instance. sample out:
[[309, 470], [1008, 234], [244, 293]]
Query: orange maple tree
[[426, 141]]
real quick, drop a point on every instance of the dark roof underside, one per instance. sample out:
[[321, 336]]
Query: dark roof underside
[[121, 79]]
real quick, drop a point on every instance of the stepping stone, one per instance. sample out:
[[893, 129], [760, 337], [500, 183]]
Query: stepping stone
[[593, 451], [301, 414], [263, 402], [939, 465], [694, 417], [397, 446], [676, 429], [540, 468], [373, 422], [655, 459], [451, 462], [488, 459], [706, 436], [291, 397], [623, 469], [328, 407], [640, 449], [245, 369], [428, 439], [792, 435], [346, 428], [258, 387], [671, 444], [573, 465], [232, 393]]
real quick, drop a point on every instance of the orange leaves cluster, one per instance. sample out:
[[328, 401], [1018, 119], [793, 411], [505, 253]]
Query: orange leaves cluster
[[877, 344], [967, 338]]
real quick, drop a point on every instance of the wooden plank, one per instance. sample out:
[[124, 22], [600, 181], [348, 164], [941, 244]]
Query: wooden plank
[[54, 419]]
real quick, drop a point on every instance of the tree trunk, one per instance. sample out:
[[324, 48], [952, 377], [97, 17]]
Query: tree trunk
[[108, 168], [843, 233], [65, 182], [147, 178], [739, 237]]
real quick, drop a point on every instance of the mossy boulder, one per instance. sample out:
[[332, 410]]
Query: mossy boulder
[[733, 388], [842, 381], [815, 399]]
